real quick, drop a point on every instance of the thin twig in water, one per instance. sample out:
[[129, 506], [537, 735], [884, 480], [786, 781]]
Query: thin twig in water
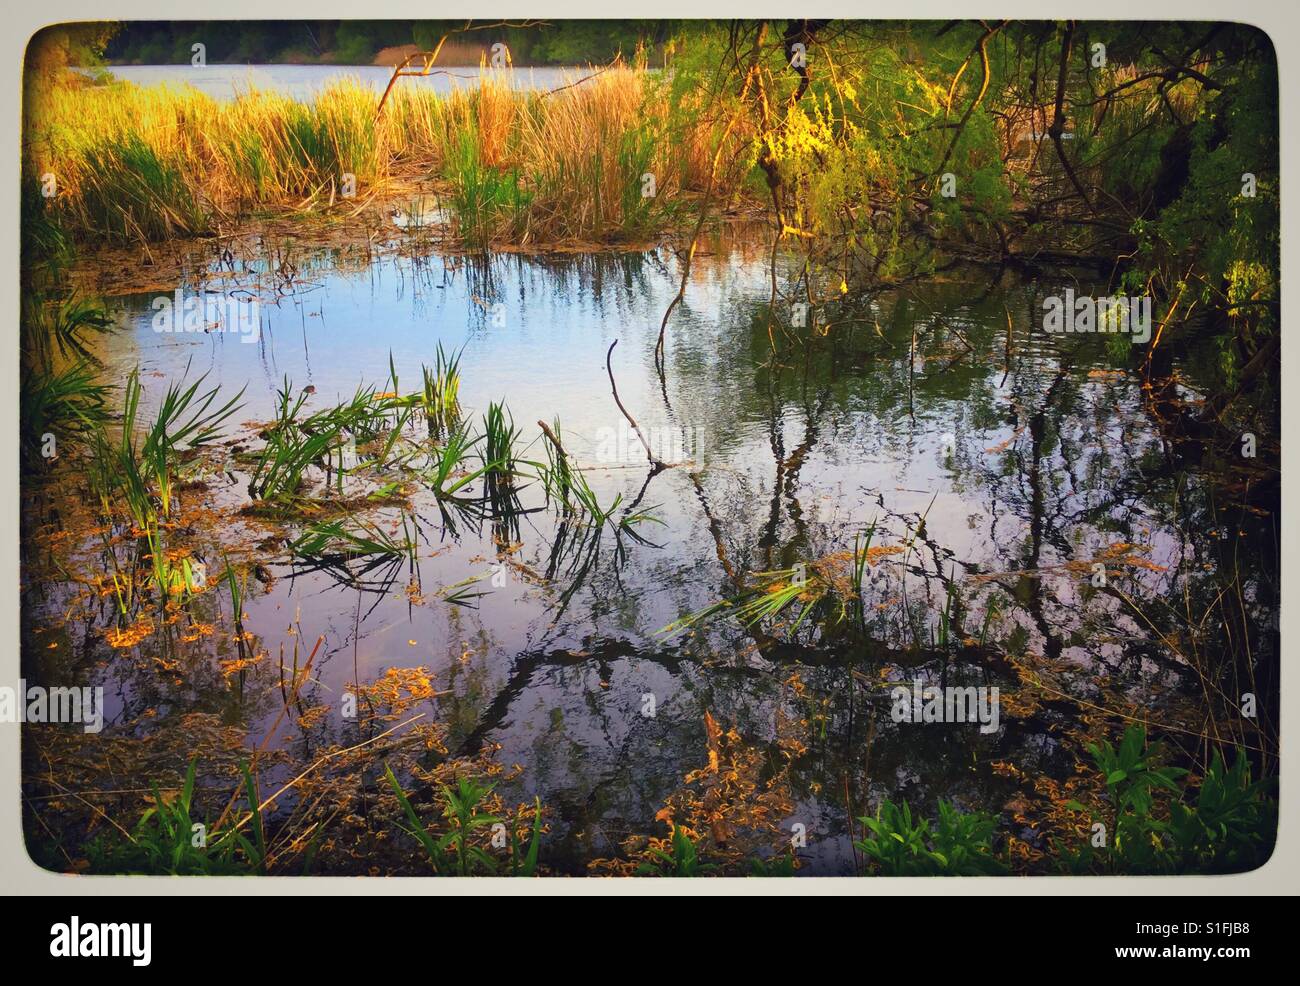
[[609, 367]]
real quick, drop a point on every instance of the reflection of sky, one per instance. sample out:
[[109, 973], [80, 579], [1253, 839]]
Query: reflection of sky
[[869, 456], [867, 452]]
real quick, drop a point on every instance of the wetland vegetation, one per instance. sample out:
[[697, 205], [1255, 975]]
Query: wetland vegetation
[[670, 472]]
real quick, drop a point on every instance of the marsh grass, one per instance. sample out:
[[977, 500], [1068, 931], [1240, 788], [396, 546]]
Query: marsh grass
[[71, 404], [162, 841], [440, 396], [235, 585], [448, 475], [294, 443], [139, 468], [175, 577], [186, 420], [774, 592], [490, 203], [567, 487], [557, 474], [141, 164], [60, 395], [499, 438], [354, 538]]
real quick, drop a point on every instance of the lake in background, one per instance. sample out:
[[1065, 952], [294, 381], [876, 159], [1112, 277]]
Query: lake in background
[[303, 82]]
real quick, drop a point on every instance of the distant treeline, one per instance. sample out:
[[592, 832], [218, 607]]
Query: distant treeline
[[359, 42]]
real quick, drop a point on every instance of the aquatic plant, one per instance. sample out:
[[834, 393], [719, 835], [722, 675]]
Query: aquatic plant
[[447, 476], [440, 396], [942, 639], [900, 844], [174, 576], [186, 420], [137, 470], [1229, 826], [70, 405], [526, 866], [352, 539], [680, 859], [567, 487], [499, 437], [779, 590], [235, 586], [163, 841], [62, 327], [292, 446], [61, 401], [558, 472], [461, 809], [118, 479], [784, 865], [861, 562]]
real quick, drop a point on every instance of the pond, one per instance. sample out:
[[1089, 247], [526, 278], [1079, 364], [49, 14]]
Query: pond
[[990, 466]]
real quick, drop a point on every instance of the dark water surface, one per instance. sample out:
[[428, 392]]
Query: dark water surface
[[943, 401]]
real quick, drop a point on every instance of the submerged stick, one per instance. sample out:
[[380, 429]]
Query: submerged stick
[[609, 368], [546, 430]]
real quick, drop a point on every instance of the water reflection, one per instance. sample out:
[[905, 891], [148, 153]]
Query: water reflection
[[1001, 463]]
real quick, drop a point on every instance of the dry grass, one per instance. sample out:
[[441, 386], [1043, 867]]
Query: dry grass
[[138, 164]]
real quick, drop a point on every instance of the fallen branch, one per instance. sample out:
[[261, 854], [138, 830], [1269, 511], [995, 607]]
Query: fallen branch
[[630, 420]]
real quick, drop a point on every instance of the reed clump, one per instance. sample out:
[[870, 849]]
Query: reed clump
[[599, 160]]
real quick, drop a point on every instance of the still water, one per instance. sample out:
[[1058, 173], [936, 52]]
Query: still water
[[999, 461]]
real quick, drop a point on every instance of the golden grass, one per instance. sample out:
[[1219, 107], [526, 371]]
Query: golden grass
[[135, 164]]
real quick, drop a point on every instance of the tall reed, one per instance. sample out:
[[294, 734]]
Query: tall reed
[[148, 163]]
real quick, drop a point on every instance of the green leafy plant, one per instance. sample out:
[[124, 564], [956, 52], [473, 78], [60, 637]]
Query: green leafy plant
[[900, 844], [69, 404], [337, 538], [461, 809], [777, 866], [169, 840], [682, 861], [1154, 825]]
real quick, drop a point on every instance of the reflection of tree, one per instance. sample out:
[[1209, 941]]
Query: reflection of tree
[[1063, 462]]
